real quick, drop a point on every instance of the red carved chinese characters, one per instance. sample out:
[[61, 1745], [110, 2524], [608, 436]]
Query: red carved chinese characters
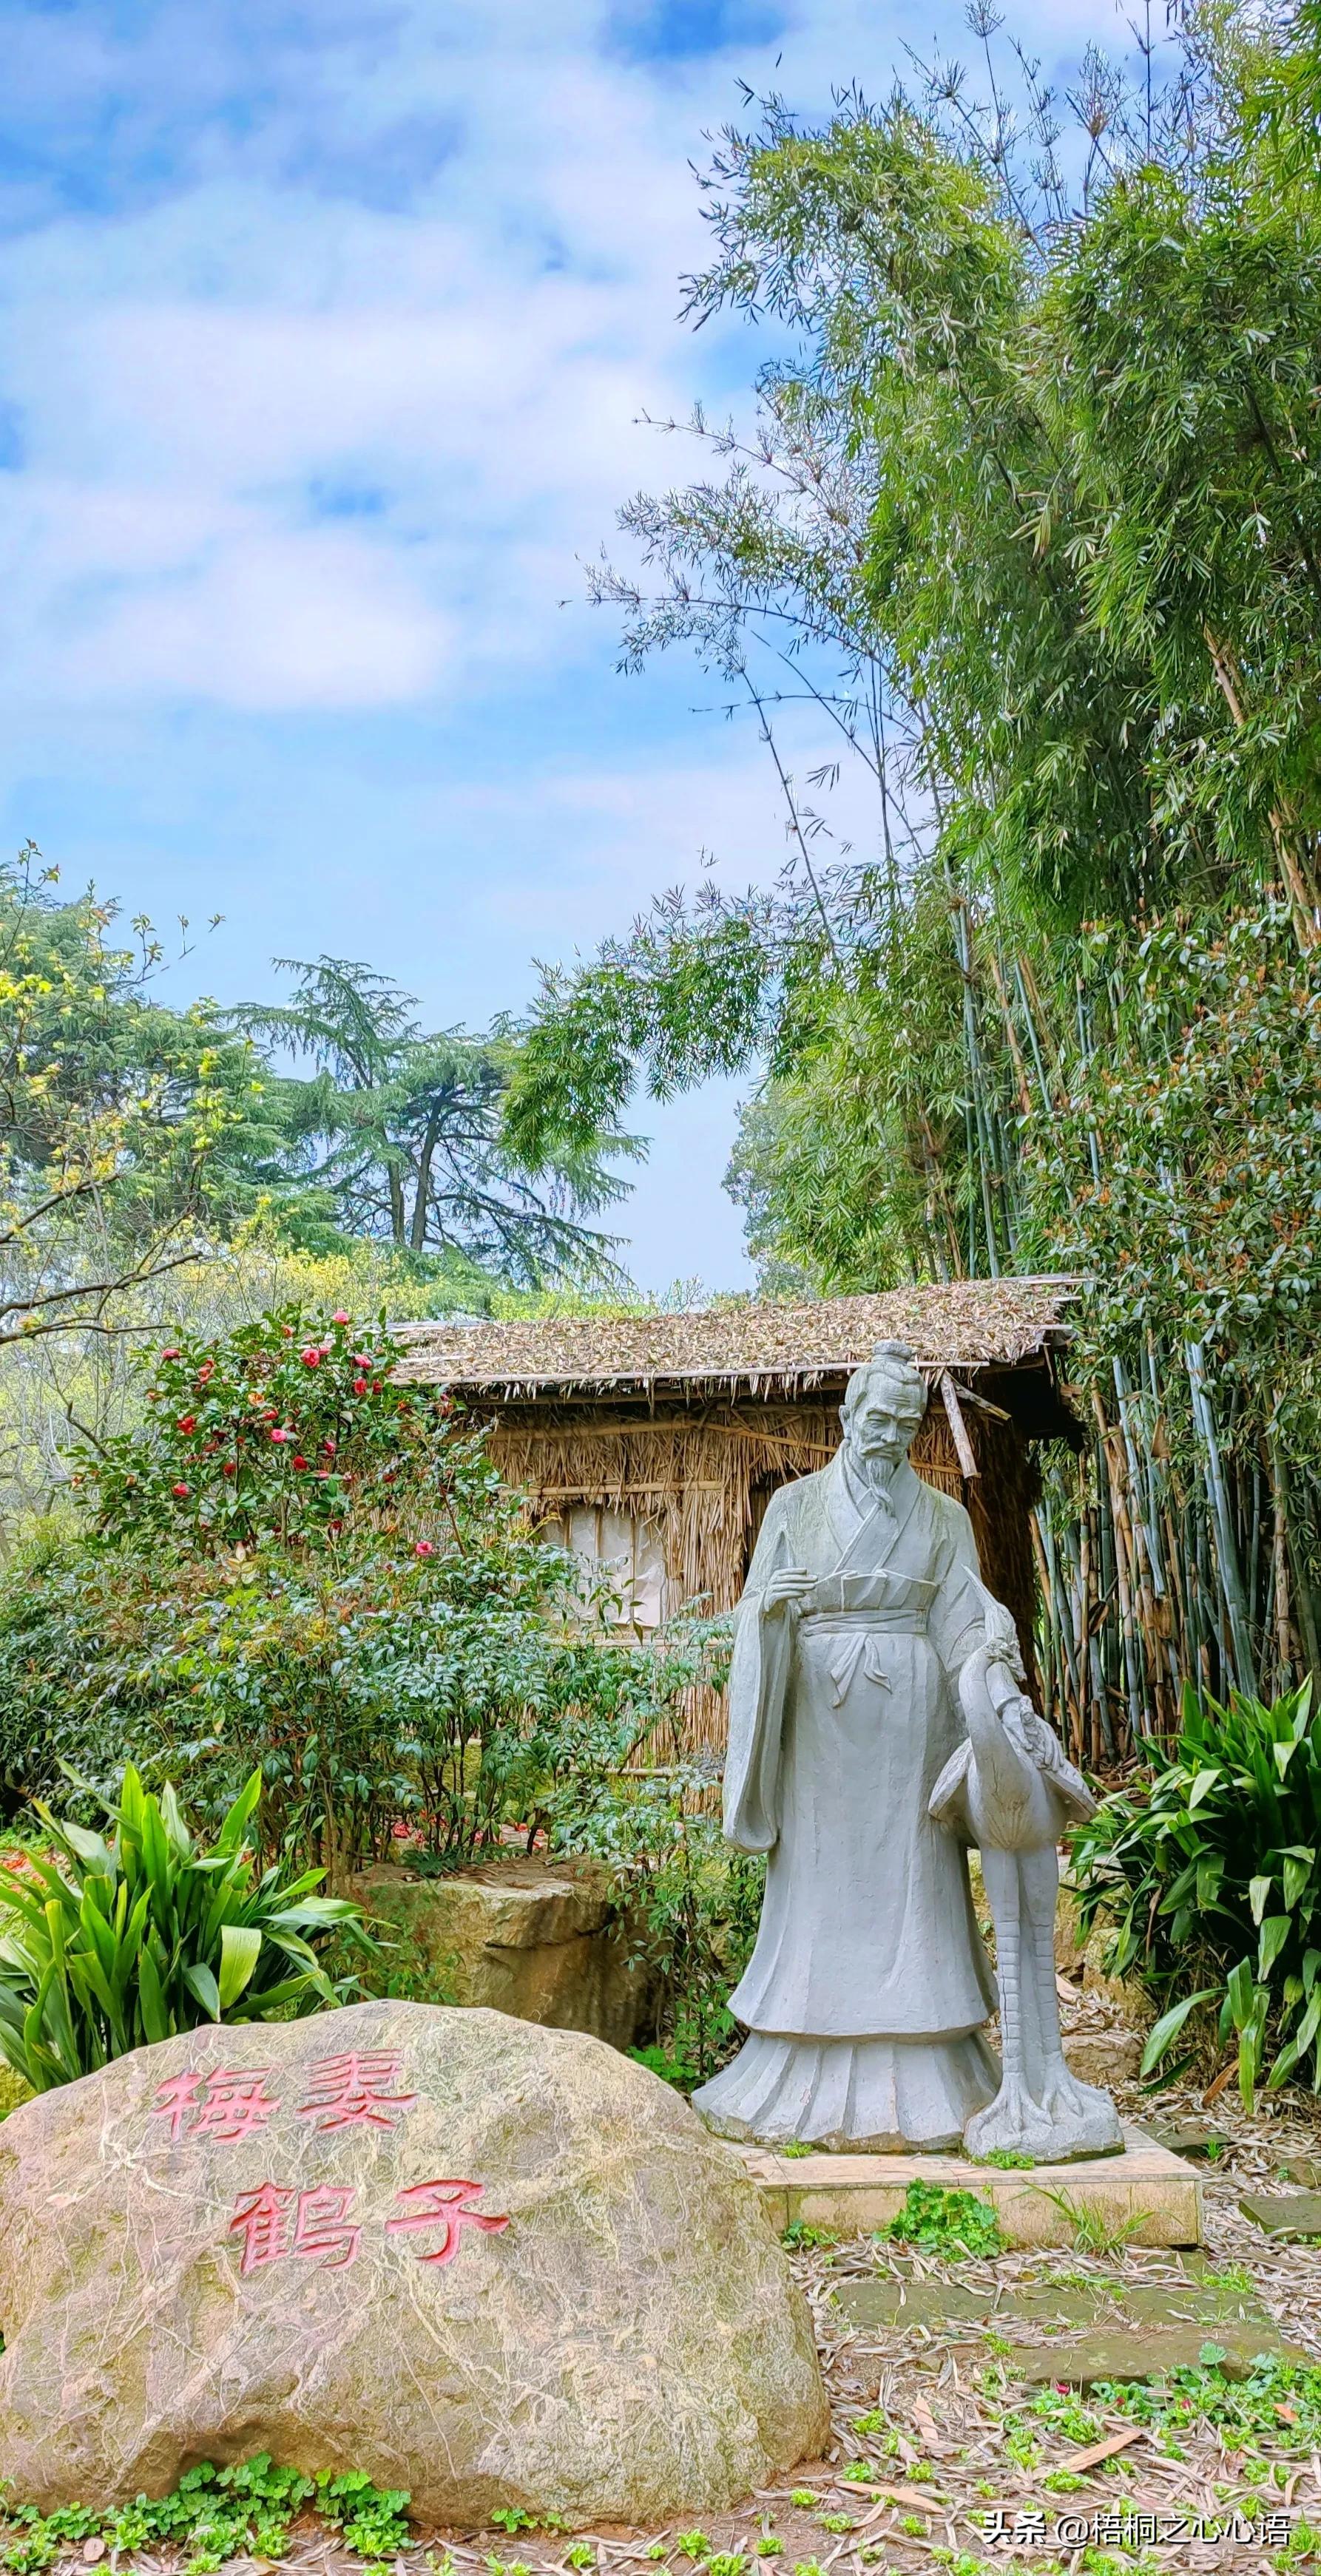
[[321, 2225], [262, 2217], [228, 2103], [443, 2205], [177, 2100], [352, 2091]]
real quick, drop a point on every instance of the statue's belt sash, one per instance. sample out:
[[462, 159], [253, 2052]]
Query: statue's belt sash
[[860, 1634]]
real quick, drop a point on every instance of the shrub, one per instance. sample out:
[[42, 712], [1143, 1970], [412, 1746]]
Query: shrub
[[692, 1901], [287, 1429], [109, 1945], [382, 1635], [1207, 1869]]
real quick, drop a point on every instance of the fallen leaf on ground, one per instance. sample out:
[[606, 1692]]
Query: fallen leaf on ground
[[1091, 2459], [892, 2495]]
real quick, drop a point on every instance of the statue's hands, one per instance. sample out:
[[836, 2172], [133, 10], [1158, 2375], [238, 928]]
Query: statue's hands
[[788, 1592]]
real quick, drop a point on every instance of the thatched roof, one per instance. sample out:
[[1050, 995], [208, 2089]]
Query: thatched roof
[[965, 1325]]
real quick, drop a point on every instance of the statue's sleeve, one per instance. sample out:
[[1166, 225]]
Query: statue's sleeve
[[758, 1680], [955, 1619]]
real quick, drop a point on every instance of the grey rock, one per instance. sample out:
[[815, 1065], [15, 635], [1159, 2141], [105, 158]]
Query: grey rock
[[493, 2264]]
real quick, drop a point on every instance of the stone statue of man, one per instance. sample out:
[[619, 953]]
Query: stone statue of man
[[866, 1992]]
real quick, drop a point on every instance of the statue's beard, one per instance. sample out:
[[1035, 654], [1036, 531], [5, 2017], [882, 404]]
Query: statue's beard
[[873, 1471]]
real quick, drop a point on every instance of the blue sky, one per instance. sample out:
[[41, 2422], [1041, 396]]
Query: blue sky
[[324, 333]]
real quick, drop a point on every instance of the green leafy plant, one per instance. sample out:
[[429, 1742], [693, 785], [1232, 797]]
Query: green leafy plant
[[298, 1563], [1207, 1869], [107, 1945], [214, 2515], [938, 2220], [802, 2237]]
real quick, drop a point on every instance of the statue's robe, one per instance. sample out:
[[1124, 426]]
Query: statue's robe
[[868, 1985]]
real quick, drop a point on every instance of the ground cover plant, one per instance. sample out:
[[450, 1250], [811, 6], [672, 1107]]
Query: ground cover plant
[[938, 2220], [214, 2514]]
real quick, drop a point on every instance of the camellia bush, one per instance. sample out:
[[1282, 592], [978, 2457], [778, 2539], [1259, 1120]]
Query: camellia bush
[[297, 1565], [282, 1432]]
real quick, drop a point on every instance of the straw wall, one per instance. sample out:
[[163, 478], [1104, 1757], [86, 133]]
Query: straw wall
[[702, 1477]]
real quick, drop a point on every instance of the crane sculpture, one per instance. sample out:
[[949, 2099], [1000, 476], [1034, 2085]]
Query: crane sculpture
[[1011, 1790]]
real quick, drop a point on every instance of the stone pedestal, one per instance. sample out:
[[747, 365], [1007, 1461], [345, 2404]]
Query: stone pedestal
[[1146, 2195], [539, 1939]]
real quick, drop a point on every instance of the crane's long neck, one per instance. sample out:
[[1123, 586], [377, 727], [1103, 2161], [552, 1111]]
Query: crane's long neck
[[1006, 1777]]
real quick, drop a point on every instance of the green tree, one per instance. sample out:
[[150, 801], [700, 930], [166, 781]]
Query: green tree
[[127, 1130], [400, 1131]]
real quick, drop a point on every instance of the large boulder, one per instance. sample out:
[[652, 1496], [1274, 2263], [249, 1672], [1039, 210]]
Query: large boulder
[[544, 1939], [491, 2263]]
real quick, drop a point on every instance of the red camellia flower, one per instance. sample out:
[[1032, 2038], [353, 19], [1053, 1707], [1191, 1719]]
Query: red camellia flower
[[299, 1466], [328, 1445], [229, 1468], [424, 1548], [360, 1386], [186, 1422], [179, 1491], [339, 1316], [361, 1360], [322, 1474], [312, 1357], [335, 1525], [278, 1434], [171, 1355]]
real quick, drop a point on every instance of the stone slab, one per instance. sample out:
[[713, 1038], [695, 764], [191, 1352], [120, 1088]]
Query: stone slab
[[1191, 2138], [1118, 2352], [1145, 2194], [896, 2299], [1284, 2213]]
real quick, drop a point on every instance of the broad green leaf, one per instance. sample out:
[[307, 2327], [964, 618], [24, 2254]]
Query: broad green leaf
[[1275, 1932], [1202, 1786], [89, 1847], [151, 2000], [1164, 2032], [1259, 1891], [1239, 1994], [201, 1983], [1299, 1870], [234, 1828], [240, 1949]]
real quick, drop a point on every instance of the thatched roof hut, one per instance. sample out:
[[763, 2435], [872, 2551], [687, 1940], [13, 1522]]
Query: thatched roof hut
[[653, 1442]]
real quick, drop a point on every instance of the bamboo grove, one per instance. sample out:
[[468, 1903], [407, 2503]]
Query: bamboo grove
[[1024, 538]]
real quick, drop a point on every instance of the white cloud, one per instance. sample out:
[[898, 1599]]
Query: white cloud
[[208, 355]]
